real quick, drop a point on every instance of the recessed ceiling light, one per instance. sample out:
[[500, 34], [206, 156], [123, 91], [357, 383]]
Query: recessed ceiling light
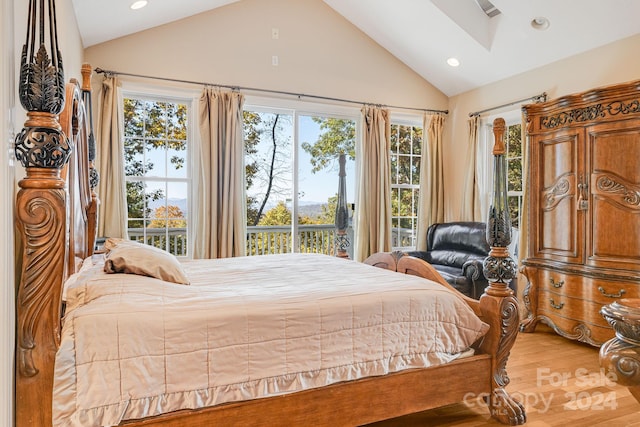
[[540, 23], [453, 62], [138, 4]]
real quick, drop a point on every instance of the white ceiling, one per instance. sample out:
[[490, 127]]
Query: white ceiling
[[424, 33]]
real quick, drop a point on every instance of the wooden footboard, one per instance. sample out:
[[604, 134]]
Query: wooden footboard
[[497, 307], [350, 403]]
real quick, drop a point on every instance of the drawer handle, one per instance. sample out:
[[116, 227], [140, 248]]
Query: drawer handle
[[554, 305], [556, 284], [618, 295]]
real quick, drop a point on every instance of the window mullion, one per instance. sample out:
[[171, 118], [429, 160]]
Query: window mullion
[[295, 238]]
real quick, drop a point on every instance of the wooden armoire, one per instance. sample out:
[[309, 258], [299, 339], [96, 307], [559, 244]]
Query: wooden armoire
[[584, 209]]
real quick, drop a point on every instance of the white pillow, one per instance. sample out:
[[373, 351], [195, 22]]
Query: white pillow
[[127, 256]]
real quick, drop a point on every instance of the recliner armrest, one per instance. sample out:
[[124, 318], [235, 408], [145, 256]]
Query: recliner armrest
[[472, 269]]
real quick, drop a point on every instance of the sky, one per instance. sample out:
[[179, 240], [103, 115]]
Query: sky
[[315, 187]]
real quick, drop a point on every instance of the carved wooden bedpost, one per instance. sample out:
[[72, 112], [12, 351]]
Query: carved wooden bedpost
[[499, 269], [43, 150], [94, 177], [342, 213]]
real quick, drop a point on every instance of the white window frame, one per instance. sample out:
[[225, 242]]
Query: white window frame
[[413, 120], [190, 98]]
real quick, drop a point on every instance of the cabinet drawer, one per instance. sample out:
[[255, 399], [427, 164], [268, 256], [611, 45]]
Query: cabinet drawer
[[554, 304], [604, 292], [560, 283], [599, 291]]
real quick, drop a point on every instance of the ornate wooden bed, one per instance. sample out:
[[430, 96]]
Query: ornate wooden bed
[[56, 218]]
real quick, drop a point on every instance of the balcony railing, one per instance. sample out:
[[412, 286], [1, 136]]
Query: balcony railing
[[159, 237], [403, 239], [269, 239], [277, 239], [261, 240]]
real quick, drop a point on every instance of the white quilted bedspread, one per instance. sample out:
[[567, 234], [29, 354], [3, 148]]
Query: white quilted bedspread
[[245, 328]]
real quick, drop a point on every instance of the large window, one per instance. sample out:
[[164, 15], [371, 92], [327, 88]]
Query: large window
[[406, 152], [291, 161], [156, 172]]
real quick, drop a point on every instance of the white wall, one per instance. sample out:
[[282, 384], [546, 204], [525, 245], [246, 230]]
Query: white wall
[[320, 53]]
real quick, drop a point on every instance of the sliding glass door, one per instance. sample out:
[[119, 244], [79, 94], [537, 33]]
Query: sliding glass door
[[291, 161]]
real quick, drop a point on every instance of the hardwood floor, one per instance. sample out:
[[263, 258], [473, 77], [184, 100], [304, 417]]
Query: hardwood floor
[[558, 380]]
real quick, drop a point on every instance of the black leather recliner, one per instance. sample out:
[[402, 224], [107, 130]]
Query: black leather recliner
[[457, 250]]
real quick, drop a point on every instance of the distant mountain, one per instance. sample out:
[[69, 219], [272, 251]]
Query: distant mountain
[[310, 209]]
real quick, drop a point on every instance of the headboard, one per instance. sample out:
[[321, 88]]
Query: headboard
[[76, 173], [56, 220]]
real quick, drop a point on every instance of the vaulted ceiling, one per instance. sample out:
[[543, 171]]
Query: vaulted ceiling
[[425, 33]]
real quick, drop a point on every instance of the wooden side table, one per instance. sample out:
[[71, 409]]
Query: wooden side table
[[620, 356]]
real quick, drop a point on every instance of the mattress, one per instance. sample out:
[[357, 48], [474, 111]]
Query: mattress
[[245, 328]]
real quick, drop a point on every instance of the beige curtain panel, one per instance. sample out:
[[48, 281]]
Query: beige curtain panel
[[373, 206], [431, 208], [112, 212], [220, 214], [471, 208]]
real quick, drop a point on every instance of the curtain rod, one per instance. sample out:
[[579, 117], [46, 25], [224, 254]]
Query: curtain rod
[[279, 92], [536, 98]]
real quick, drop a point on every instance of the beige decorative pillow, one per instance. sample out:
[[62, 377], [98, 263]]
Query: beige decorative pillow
[[126, 256]]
